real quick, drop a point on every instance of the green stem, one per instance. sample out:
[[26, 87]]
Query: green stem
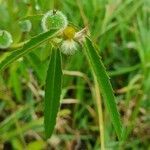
[[100, 115]]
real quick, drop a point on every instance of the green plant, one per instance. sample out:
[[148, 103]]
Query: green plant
[[52, 72], [53, 81]]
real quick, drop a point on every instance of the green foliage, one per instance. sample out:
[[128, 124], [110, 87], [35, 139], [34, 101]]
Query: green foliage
[[118, 31], [104, 85], [27, 47], [52, 92]]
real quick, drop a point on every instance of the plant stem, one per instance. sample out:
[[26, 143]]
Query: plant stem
[[100, 115]]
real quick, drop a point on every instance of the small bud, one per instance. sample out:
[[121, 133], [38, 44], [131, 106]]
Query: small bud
[[25, 25], [69, 33], [5, 39], [54, 20]]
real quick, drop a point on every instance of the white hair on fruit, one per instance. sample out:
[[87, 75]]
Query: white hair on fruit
[[54, 20], [69, 47]]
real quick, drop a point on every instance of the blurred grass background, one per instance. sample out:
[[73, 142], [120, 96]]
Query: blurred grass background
[[121, 31]]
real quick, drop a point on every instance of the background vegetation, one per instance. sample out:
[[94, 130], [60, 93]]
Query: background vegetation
[[121, 31]]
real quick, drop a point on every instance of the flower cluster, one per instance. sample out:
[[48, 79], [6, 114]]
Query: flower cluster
[[70, 39]]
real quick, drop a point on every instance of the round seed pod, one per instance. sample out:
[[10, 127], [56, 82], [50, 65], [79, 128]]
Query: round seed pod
[[25, 25], [5, 39], [54, 20]]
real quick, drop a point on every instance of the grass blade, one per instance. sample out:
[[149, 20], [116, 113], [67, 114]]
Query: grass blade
[[52, 92], [30, 45], [104, 84]]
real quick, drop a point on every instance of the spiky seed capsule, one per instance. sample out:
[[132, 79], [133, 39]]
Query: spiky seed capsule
[[54, 20], [5, 39]]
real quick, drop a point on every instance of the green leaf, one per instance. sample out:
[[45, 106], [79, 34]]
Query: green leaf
[[40, 67], [15, 82], [52, 92], [27, 47], [104, 85]]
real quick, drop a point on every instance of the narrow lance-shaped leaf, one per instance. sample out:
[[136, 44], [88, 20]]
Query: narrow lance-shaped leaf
[[104, 84], [52, 92], [27, 47]]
